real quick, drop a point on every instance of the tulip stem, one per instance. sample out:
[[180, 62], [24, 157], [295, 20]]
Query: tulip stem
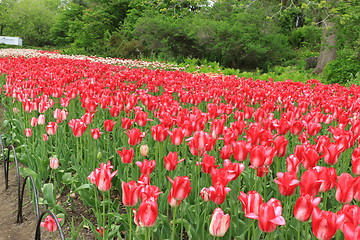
[[103, 215], [147, 233], [173, 229], [130, 223], [264, 186]]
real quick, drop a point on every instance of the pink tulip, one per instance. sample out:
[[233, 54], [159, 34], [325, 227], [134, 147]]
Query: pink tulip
[[49, 223], [220, 223], [54, 163]]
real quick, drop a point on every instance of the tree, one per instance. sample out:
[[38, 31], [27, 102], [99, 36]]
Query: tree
[[31, 20], [5, 5], [328, 40]]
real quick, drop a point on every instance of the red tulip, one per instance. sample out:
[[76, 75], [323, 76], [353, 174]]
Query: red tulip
[[304, 206], [261, 171], [115, 111], [130, 193], [331, 153], [135, 136], [241, 150], [217, 127], [146, 166], [147, 214], [207, 163], [51, 128], [218, 193], [312, 128], [322, 141], [296, 127], [261, 155], [269, 215], [200, 142], [226, 152], [355, 161], [287, 183], [234, 169], [45, 137], [149, 193], [280, 144], [141, 118], [159, 133], [292, 163], [309, 183], [253, 134], [144, 180], [357, 189], [87, 118], [351, 215], [126, 155], [221, 176], [351, 232], [310, 158], [327, 176], [77, 127], [33, 121], [250, 202], [282, 126], [126, 123], [219, 224], [28, 132], [171, 161], [49, 223], [325, 223], [345, 188], [172, 201], [177, 136], [109, 125], [180, 187], [102, 176], [95, 133]]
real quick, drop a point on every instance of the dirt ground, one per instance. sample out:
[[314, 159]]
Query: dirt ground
[[9, 229]]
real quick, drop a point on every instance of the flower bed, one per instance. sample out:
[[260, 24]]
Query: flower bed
[[188, 156]]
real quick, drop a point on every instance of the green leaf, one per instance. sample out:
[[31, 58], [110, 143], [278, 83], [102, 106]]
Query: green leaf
[[27, 171], [48, 191], [67, 177], [84, 186]]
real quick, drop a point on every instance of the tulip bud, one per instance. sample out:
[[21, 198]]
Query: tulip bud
[[54, 163], [15, 110], [99, 155], [33, 121], [144, 150], [41, 119], [28, 132], [45, 137]]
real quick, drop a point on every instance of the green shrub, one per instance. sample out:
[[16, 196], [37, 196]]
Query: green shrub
[[341, 70], [306, 36]]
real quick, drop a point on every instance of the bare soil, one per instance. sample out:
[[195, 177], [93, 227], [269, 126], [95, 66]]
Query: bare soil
[[9, 229]]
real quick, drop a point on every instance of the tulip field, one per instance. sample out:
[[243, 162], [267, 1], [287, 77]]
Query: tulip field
[[159, 154]]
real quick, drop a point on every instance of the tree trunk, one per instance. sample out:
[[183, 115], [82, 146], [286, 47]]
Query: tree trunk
[[328, 46]]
